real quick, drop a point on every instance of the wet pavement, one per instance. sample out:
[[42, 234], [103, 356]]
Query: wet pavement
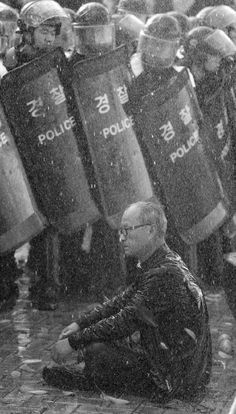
[[28, 334]]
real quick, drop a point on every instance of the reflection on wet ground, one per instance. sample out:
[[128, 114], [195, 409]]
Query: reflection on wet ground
[[28, 334]]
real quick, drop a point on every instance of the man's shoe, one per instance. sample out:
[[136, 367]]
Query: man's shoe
[[67, 378]]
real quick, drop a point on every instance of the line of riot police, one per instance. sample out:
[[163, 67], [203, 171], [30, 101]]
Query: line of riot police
[[175, 86]]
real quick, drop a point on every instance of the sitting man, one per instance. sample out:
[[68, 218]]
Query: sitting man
[[153, 339]]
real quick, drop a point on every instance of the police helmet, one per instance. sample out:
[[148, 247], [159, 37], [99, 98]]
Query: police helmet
[[159, 41], [182, 19], [202, 14], [94, 32], [8, 13], [134, 7], [70, 13], [203, 41], [92, 14], [38, 12], [220, 17]]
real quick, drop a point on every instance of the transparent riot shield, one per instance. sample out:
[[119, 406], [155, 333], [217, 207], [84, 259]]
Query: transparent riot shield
[[168, 118], [101, 91], [20, 219], [38, 108]]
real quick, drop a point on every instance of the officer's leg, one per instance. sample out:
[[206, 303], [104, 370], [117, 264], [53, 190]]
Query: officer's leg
[[8, 275], [106, 261], [43, 263], [229, 272], [75, 260], [210, 260]]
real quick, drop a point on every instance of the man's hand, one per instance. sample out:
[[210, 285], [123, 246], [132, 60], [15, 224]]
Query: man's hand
[[61, 350], [68, 330]]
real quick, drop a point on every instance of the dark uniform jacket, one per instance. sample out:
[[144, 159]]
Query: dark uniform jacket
[[166, 306], [216, 97]]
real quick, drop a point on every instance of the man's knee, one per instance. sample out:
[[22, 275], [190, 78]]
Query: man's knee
[[96, 357], [94, 350]]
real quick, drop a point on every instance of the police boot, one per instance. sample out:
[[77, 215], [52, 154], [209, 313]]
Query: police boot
[[9, 290]]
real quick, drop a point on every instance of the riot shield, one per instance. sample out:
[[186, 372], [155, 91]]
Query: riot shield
[[221, 142], [168, 120], [37, 106], [101, 90], [20, 219]]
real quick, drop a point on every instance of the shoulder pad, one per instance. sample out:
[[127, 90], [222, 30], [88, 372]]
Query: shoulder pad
[[10, 60]]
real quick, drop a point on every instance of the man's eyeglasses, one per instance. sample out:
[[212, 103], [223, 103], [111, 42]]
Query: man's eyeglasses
[[123, 231]]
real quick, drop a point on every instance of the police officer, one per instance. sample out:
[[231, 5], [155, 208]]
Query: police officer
[[164, 32], [209, 55], [90, 255], [223, 17], [8, 269], [40, 25], [94, 31], [158, 85], [153, 66]]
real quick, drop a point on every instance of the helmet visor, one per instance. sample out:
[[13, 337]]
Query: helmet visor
[[157, 52], [219, 43], [65, 39], [7, 35], [131, 26], [91, 40]]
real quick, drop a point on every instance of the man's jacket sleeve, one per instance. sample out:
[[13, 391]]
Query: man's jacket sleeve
[[107, 309], [121, 323]]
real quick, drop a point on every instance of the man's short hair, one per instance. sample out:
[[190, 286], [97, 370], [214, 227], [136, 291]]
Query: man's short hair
[[153, 212]]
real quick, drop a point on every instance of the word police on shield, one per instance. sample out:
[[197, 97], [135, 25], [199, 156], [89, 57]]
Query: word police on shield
[[20, 219], [101, 90], [37, 103], [168, 118]]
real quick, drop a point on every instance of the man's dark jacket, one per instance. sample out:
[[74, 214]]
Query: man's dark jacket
[[166, 305]]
